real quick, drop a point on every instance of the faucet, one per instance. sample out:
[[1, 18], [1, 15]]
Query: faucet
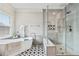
[[34, 35]]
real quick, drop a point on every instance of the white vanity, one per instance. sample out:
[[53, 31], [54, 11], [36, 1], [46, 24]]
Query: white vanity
[[14, 46]]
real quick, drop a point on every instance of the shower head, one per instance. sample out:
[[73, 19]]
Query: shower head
[[68, 12]]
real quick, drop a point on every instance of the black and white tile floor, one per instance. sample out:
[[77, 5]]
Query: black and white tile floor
[[36, 50]]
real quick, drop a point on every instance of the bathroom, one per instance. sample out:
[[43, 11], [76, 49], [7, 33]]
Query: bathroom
[[38, 29]]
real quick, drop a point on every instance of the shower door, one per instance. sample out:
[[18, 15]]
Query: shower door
[[72, 29], [69, 22], [62, 30]]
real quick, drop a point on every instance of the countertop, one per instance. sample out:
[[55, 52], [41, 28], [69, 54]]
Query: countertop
[[7, 41]]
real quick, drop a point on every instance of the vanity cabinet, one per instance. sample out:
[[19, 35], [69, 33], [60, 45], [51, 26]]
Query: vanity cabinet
[[3, 49], [9, 49], [13, 47]]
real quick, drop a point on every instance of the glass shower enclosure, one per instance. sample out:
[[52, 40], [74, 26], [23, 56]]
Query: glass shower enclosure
[[61, 27]]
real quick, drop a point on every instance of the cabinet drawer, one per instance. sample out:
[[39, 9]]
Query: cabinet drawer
[[14, 46]]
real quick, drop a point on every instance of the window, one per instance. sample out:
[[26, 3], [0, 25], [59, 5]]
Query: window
[[4, 24]]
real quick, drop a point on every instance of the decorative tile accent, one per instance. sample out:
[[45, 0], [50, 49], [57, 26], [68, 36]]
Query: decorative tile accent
[[36, 50]]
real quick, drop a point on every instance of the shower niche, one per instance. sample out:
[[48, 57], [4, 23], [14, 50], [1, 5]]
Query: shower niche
[[51, 27]]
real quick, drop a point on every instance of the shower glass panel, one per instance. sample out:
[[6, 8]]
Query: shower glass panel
[[69, 22], [72, 29], [62, 29]]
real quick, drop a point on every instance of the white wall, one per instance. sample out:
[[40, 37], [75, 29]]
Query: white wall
[[32, 18], [9, 10]]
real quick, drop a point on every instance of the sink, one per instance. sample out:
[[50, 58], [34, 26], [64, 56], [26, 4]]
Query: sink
[[27, 38], [12, 38]]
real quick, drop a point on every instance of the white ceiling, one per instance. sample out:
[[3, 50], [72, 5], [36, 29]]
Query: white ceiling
[[39, 5]]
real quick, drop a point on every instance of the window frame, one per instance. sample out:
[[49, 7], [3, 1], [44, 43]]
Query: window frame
[[5, 13]]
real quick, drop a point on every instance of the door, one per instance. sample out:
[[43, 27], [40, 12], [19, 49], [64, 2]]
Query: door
[[72, 29]]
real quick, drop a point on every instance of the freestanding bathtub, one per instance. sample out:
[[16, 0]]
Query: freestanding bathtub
[[14, 46]]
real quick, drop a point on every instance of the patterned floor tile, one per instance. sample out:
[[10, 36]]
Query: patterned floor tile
[[36, 50]]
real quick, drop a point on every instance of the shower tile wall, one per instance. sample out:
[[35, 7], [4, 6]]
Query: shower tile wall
[[56, 22], [56, 29]]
